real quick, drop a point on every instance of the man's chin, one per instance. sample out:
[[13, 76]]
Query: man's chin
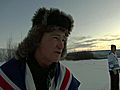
[[56, 59]]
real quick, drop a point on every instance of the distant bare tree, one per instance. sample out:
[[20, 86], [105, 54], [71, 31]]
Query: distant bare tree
[[11, 47], [2, 54], [7, 53]]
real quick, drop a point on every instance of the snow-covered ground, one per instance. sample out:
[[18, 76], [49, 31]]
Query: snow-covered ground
[[93, 74]]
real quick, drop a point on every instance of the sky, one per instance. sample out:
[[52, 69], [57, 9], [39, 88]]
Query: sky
[[96, 22]]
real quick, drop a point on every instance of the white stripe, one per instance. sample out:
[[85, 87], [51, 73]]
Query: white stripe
[[52, 87], [1, 88], [29, 80], [9, 81], [68, 84], [61, 77]]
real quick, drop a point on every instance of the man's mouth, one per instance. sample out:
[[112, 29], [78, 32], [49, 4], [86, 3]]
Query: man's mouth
[[58, 52]]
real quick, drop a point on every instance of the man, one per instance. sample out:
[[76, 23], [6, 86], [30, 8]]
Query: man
[[36, 64], [113, 68]]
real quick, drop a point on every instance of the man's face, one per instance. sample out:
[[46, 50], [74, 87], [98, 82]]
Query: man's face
[[113, 49], [50, 48]]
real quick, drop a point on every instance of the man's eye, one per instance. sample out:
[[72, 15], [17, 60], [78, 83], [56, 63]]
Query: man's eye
[[63, 40], [56, 38]]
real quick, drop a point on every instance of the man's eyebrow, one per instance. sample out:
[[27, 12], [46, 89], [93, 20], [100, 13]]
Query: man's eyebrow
[[55, 34]]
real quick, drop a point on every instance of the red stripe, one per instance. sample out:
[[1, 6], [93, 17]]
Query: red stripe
[[4, 85], [65, 80]]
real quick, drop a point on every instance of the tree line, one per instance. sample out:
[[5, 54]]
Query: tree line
[[81, 55], [9, 51]]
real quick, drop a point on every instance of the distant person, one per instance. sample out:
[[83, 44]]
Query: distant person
[[36, 64], [113, 68]]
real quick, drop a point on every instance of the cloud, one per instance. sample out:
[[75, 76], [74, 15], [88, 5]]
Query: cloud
[[82, 45], [89, 42], [111, 35], [118, 38], [109, 38], [102, 39], [81, 37]]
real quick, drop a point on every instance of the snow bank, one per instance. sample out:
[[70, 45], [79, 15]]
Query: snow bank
[[93, 74]]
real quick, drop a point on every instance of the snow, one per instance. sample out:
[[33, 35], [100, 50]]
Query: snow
[[93, 74]]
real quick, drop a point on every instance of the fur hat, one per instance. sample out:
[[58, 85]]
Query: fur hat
[[43, 18], [53, 17]]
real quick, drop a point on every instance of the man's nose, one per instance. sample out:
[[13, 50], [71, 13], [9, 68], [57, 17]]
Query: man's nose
[[60, 44]]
